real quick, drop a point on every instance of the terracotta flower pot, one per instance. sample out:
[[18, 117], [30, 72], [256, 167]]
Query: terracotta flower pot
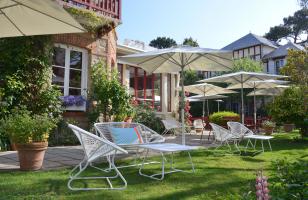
[[31, 155], [288, 127], [13, 147], [268, 130]]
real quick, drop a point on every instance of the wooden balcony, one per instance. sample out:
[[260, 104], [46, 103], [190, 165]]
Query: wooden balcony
[[107, 8]]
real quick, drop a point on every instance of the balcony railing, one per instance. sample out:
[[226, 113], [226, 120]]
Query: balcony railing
[[109, 8]]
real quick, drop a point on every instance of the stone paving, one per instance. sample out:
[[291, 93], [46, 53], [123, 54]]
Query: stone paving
[[68, 156]]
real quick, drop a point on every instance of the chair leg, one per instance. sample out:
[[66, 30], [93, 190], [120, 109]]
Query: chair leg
[[164, 132], [82, 168], [208, 138]]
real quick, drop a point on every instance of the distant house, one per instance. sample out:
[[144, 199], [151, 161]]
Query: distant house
[[276, 59], [260, 49]]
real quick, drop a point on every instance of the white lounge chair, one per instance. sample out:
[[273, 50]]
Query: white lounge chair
[[242, 132], [224, 137], [144, 134], [95, 148]]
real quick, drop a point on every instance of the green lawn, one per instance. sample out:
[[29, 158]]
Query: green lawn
[[217, 176]]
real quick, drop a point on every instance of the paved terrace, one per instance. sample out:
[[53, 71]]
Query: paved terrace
[[68, 156]]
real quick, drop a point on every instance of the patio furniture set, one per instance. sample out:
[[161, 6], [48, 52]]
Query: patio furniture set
[[115, 138], [236, 133]]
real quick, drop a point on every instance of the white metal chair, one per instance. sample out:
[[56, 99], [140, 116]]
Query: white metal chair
[[198, 124], [148, 136], [239, 130], [172, 125], [223, 137], [242, 132], [94, 148]]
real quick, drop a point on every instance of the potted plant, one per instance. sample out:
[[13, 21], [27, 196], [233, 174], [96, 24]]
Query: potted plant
[[268, 126], [288, 127], [30, 134]]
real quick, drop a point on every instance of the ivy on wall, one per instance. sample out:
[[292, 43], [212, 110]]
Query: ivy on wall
[[25, 79]]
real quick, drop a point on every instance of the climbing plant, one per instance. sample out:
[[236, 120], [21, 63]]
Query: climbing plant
[[25, 77]]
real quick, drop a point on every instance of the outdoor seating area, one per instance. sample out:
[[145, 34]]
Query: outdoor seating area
[[87, 113]]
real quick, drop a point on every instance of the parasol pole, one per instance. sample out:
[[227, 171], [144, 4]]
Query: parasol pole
[[242, 98], [182, 106], [254, 105]]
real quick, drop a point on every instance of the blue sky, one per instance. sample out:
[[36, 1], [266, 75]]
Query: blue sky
[[213, 23]]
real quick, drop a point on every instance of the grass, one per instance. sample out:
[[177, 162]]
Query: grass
[[218, 176]]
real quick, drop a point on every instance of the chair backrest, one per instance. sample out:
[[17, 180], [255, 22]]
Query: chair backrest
[[148, 135], [198, 123], [221, 134], [93, 145], [171, 124], [239, 130]]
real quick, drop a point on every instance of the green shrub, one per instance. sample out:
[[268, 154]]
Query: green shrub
[[63, 135], [290, 180], [145, 115], [4, 142], [221, 118]]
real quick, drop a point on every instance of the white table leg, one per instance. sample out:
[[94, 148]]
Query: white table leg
[[262, 145], [153, 176], [269, 144], [160, 176], [191, 162]]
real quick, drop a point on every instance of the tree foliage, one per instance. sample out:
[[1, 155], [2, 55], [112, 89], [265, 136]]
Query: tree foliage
[[163, 42], [191, 77], [191, 42], [297, 67], [278, 32], [247, 65], [289, 108], [293, 27], [303, 3]]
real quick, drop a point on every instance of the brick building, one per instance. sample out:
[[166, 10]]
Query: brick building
[[74, 54]]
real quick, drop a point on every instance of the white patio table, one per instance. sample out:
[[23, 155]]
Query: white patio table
[[258, 137], [163, 149]]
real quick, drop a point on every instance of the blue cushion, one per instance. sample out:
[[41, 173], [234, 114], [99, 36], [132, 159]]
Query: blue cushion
[[125, 135]]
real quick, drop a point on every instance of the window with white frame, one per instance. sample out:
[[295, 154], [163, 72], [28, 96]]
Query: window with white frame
[[70, 73]]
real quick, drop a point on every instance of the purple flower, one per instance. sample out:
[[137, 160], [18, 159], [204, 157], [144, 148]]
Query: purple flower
[[79, 100], [72, 100]]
